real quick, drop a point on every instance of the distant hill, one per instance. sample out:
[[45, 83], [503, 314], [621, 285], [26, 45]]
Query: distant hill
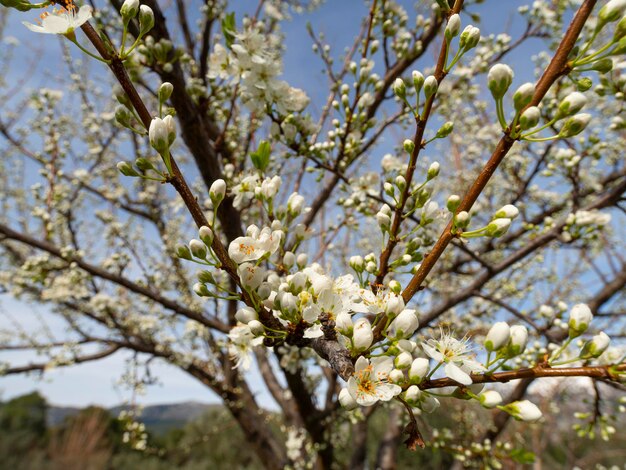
[[157, 418]]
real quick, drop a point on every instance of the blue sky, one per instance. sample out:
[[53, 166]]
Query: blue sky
[[95, 383]]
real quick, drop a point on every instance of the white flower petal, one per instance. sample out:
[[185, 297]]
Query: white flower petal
[[456, 373]]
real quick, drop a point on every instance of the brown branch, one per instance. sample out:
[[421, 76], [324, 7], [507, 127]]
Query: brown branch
[[594, 372], [422, 121], [115, 278], [76, 360], [556, 69]]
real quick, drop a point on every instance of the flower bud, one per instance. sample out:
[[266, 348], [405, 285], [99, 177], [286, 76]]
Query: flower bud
[[595, 346], [146, 19], [453, 27], [198, 249], [507, 212], [396, 376], [498, 336], [580, 317], [201, 290], [419, 369], [122, 116], [206, 235], [256, 327], [403, 360], [346, 400], [529, 118], [499, 80], [170, 125], [126, 169], [445, 130], [363, 336], [453, 203], [357, 263], [206, 277], [396, 288], [343, 323], [571, 104], [408, 145], [183, 252], [610, 12], [498, 227], [433, 170], [302, 259], [418, 81], [384, 221], [295, 204], [399, 88], [430, 86], [517, 340], [400, 182], [165, 91], [469, 38], [603, 65], [412, 395], [523, 410], [523, 96], [620, 30], [404, 325], [129, 10], [490, 398], [246, 315], [575, 125], [217, 192], [462, 220], [158, 134]]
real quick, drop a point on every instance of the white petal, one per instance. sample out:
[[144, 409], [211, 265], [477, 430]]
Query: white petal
[[35, 28], [361, 363], [381, 366], [455, 373], [386, 392], [314, 332], [432, 352]]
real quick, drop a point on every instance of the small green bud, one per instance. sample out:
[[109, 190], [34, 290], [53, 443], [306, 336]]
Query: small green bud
[[454, 201], [433, 170], [575, 125], [129, 10], [206, 235], [122, 116], [198, 249], [399, 88], [529, 118], [499, 80], [408, 145], [445, 130], [127, 169], [610, 12], [595, 346], [603, 65], [418, 81], [523, 96], [430, 86], [469, 38], [144, 164], [453, 27], [462, 220], [206, 277], [183, 252], [498, 227], [620, 30], [583, 84], [165, 91], [146, 19]]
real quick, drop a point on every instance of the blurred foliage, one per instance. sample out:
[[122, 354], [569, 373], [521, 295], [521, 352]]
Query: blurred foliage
[[92, 439]]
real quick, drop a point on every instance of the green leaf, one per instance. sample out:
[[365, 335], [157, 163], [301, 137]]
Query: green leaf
[[522, 456], [261, 158], [229, 29]]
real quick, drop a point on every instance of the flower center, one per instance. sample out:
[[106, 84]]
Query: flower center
[[247, 249]]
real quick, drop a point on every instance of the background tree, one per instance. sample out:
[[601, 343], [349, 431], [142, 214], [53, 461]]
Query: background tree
[[531, 191]]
